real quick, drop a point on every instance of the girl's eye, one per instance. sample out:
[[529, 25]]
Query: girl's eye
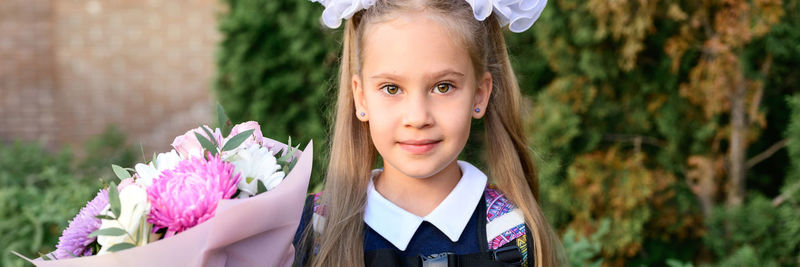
[[391, 89], [443, 88]]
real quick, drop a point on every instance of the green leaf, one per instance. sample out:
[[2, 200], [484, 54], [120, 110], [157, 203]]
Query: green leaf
[[222, 120], [237, 140], [210, 136], [291, 166], [121, 246], [108, 232], [105, 217], [120, 172], [44, 257], [113, 199], [207, 145], [288, 156], [261, 187]]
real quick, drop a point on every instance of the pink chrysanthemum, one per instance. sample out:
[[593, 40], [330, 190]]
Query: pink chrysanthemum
[[188, 194], [74, 241]]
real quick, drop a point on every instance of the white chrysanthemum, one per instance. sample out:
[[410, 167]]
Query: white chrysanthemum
[[256, 163], [147, 172]]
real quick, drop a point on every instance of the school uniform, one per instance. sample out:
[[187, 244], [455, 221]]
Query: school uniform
[[475, 225]]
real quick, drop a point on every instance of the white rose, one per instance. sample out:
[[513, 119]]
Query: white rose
[[133, 211]]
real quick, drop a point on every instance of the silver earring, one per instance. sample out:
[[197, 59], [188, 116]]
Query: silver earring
[[363, 114]]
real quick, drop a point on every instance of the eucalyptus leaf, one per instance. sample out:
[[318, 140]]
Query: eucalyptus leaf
[[114, 231], [261, 187], [291, 165], [237, 140], [45, 257], [223, 122], [210, 136], [285, 158], [113, 199], [120, 172], [105, 217], [121, 246], [207, 145]]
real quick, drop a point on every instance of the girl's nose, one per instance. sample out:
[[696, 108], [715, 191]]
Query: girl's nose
[[417, 112]]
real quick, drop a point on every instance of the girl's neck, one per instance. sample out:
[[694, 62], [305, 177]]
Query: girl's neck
[[418, 196]]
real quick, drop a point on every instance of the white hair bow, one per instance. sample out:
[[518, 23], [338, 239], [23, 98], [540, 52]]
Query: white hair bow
[[519, 15]]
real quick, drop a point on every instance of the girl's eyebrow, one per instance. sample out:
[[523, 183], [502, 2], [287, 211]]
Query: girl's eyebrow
[[436, 75]]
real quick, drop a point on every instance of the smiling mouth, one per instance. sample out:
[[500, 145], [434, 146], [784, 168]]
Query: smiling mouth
[[418, 147]]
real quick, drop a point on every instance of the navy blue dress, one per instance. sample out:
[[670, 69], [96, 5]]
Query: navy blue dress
[[427, 240]]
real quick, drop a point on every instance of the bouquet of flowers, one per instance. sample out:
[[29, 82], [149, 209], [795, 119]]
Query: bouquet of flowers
[[232, 199]]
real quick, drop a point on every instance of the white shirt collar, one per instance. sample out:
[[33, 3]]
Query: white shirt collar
[[451, 216]]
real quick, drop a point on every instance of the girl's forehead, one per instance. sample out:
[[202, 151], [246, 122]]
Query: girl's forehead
[[416, 43], [407, 20]]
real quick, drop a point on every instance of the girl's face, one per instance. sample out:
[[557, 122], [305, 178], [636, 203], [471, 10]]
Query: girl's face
[[418, 90]]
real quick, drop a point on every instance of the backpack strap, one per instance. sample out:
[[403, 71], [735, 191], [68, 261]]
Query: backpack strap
[[504, 223], [318, 214]]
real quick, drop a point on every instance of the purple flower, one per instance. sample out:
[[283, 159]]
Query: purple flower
[[74, 240], [188, 194]]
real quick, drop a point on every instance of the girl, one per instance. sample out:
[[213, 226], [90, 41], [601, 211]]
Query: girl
[[413, 76]]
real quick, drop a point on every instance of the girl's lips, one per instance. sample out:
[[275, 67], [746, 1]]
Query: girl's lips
[[418, 147]]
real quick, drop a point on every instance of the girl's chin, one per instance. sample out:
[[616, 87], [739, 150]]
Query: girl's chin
[[420, 168]]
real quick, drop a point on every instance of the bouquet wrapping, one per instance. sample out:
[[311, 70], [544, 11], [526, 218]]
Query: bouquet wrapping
[[242, 224]]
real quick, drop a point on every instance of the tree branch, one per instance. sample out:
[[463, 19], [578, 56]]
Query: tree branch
[[777, 201], [766, 153], [629, 138]]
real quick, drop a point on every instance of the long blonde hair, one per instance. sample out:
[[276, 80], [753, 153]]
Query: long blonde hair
[[352, 154]]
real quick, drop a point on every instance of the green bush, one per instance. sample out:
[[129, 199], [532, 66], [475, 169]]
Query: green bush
[[276, 65], [40, 191], [582, 251], [757, 232]]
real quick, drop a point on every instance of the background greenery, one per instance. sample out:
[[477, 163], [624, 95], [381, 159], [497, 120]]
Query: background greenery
[[41, 190], [666, 132]]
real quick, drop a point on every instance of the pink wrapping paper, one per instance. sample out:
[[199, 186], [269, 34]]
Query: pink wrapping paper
[[256, 231]]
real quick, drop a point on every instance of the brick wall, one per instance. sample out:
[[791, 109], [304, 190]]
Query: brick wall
[[26, 70], [69, 68]]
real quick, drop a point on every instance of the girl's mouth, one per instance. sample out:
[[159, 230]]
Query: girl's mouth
[[419, 147]]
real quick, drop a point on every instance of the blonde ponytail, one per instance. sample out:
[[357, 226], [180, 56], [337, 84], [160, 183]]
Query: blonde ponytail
[[352, 156], [510, 162]]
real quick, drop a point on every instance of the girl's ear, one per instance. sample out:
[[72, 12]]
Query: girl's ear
[[482, 93], [358, 97]]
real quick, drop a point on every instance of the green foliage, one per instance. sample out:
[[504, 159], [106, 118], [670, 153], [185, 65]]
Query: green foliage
[[746, 256], [100, 152], [276, 65], [677, 263], [756, 232], [40, 191], [582, 251], [793, 136]]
